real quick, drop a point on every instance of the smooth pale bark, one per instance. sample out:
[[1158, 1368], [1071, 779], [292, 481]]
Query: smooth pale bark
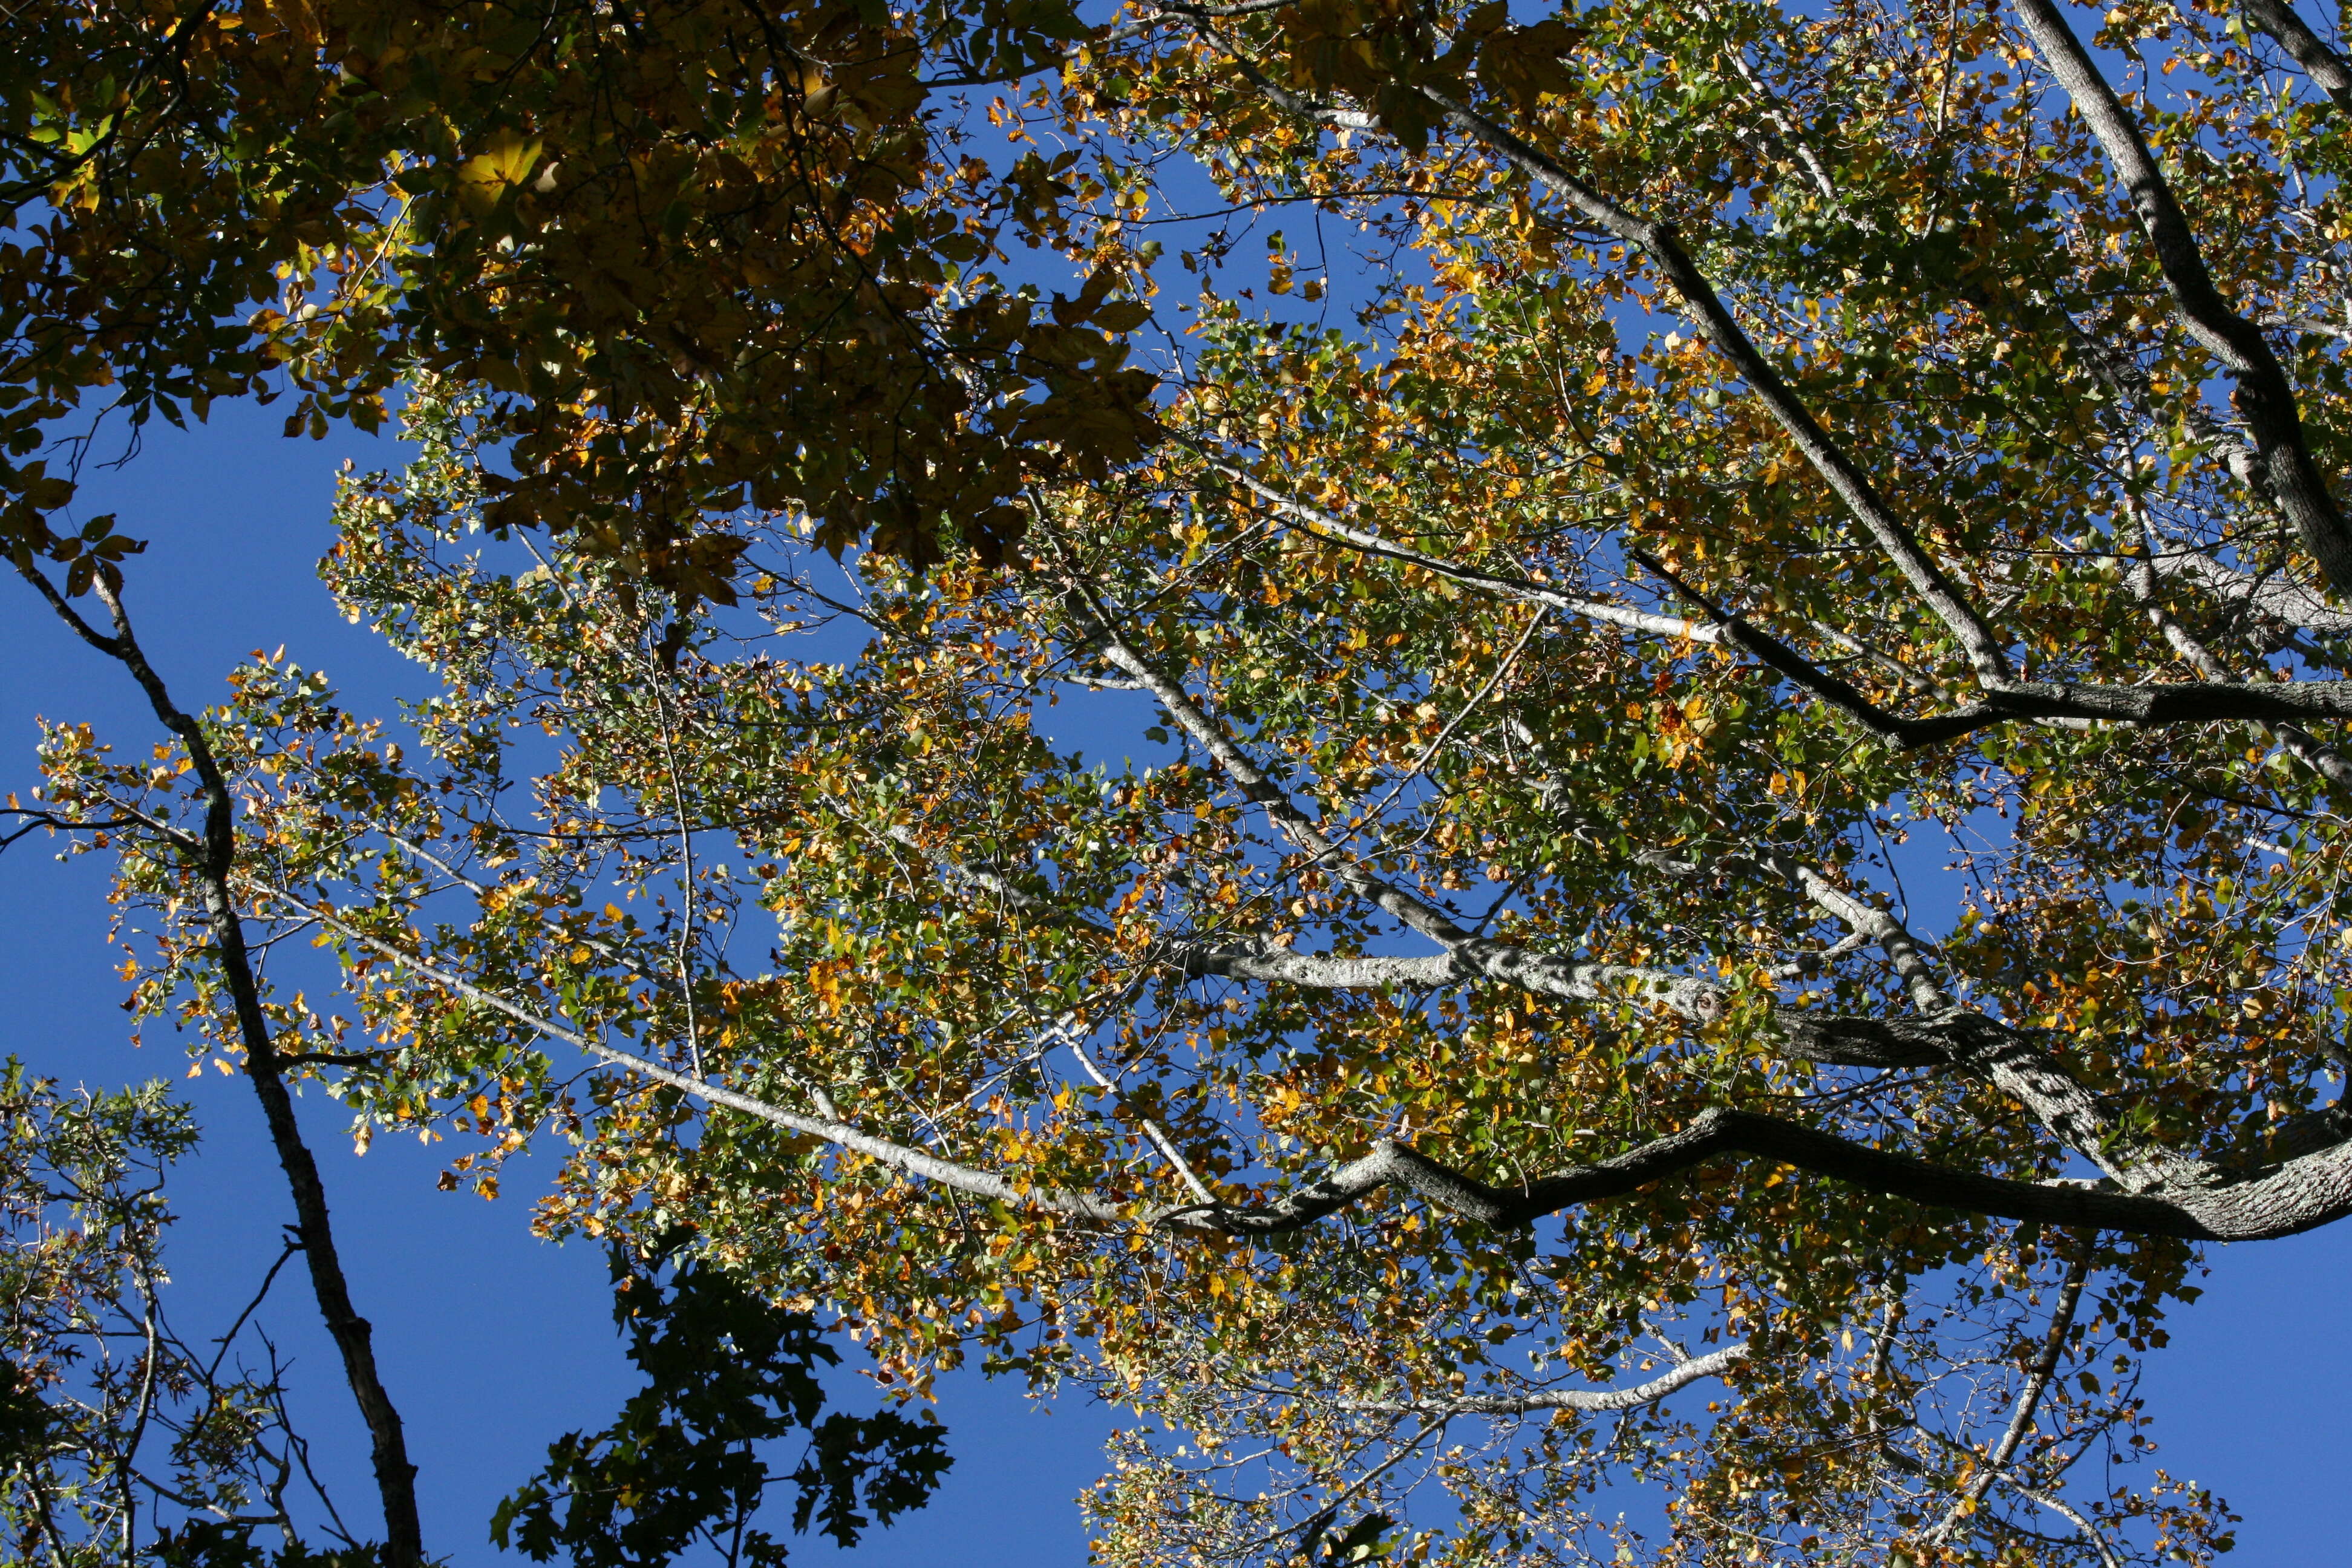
[[1680, 1376]]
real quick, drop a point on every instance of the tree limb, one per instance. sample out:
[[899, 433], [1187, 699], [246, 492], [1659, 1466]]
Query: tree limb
[[2029, 1400], [2309, 50], [214, 862], [1659, 242], [1318, 523], [898, 1156], [2264, 397], [2301, 1195], [1680, 1376]]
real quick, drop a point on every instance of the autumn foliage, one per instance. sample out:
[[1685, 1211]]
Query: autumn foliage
[[1652, 796]]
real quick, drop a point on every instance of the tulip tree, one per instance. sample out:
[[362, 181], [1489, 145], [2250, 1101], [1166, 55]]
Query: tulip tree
[[1707, 857]]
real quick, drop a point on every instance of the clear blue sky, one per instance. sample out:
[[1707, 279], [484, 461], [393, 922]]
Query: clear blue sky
[[494, 1343]]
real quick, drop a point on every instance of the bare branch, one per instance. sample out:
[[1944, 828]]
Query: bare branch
[[2029, 1400], [1477, 701], [2072, 1515], [1159, 1135]]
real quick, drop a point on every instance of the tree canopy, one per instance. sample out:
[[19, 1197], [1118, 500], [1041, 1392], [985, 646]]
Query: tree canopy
[[1715, 849]]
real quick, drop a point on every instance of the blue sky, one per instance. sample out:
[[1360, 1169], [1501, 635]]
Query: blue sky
[[494, 1343]]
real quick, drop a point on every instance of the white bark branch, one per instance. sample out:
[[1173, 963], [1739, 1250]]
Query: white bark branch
[[1714, 1363], [1317, 522], [898, 1156]]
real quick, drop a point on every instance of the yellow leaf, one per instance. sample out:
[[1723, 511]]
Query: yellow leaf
[[501, 165]]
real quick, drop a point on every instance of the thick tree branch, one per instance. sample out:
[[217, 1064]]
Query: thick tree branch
[[2324, 759], [1834, 1039], [2309, 50], [2273, 594], [2005, 699], [2299, 1196], [1867, 921], [2005, 1058], [1945, 1036], [2211, 701], [1318, 972], [2181, 702], [2264, 397]]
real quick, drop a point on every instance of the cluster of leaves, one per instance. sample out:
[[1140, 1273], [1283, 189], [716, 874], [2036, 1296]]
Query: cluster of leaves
[[703, 252], [726, 1373], [897, 991]]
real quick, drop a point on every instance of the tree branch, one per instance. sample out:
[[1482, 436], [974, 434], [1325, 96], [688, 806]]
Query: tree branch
[[2309, 50], [1680, 1376], [1499, 961], [2299, 1196], [1761, 645], [212, 859], [2212, 702], [1317, 523], [2029, 1400], [898, 1156], [2006, 699], [2264, 398], [2273, 594], [1659, 242], [2067, 1511]]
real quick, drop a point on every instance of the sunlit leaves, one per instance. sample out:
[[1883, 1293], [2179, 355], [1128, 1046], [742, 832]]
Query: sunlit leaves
[[1455, 566]]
